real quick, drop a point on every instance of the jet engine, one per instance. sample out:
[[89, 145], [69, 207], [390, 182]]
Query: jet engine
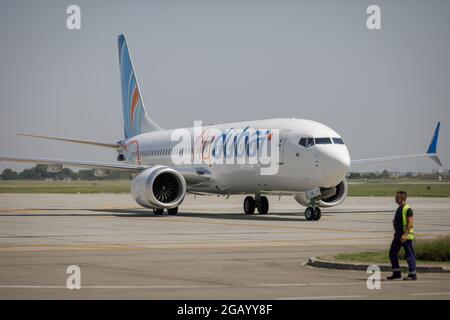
[[54, 168], [101, 173], [159, 187], [329, 197]]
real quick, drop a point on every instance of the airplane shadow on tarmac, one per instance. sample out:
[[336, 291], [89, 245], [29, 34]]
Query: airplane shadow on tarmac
[[229, 216], [276, 216], [132, 213], [143, 213]]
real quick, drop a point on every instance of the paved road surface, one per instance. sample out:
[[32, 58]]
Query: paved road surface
[[210, 250]]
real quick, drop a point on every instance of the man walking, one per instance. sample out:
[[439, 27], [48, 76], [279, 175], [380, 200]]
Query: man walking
[[403, 237]]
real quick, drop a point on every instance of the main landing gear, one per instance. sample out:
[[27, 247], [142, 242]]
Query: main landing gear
[[261, 203], [170, 212]]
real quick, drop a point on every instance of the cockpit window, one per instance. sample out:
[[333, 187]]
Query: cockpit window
[[306, 142], [322, 140], [302, 142], [338, 141]]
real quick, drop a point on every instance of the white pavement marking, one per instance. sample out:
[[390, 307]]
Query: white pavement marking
[[430, 293], [322, 297], [115, 287]]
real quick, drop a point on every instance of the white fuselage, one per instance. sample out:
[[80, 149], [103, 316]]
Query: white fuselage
[[300, 168]]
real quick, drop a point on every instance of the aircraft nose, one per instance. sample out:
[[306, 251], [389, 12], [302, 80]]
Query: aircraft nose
[[337, 163], [342, 159]]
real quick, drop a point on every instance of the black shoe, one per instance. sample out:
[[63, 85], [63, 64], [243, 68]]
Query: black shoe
[[412, 277], [394, 276]]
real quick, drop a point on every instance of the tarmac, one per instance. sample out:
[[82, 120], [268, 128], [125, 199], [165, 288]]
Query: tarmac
[[210, 250]]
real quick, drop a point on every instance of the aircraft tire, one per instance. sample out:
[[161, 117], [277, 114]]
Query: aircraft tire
[[317, 213], [263, 205], [309, 213], [249, 205]]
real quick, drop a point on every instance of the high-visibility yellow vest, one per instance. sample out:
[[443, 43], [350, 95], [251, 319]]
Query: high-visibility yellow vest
[[410, 235]]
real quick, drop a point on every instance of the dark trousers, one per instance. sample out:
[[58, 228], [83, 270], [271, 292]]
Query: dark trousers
[[409, 253]]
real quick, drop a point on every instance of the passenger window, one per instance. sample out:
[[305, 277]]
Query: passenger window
[[322, 140], [338, 141]]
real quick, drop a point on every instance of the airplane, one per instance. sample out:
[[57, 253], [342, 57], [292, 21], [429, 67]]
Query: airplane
[[312, 159]]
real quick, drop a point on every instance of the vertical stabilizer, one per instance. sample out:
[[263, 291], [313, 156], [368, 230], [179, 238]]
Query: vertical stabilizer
[[135, 117]]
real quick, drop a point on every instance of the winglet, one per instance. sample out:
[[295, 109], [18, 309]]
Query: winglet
[[432, 149], [433, 145]]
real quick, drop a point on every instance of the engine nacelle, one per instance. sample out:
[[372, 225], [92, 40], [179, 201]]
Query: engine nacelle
[[329, 197], [159, 187], [101, 172], [54, 168]]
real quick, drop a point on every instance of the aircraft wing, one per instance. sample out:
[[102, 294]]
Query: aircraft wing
[[431, 153], [83, 164], [192, 175]]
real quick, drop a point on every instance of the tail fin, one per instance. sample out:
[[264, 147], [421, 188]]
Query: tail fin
[[136, 120]]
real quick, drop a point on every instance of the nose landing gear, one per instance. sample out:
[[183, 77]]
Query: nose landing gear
[[313, 213]]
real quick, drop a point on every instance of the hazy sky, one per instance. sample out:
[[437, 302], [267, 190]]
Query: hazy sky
[[382, 90]]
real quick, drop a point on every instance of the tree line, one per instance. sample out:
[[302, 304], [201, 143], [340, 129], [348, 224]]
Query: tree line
[[389, 175], [39, 172]]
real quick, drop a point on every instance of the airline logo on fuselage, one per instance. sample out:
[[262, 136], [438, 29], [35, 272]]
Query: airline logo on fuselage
[[238, 146]]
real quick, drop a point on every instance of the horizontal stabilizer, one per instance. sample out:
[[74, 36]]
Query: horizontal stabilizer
[[89, 142]]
